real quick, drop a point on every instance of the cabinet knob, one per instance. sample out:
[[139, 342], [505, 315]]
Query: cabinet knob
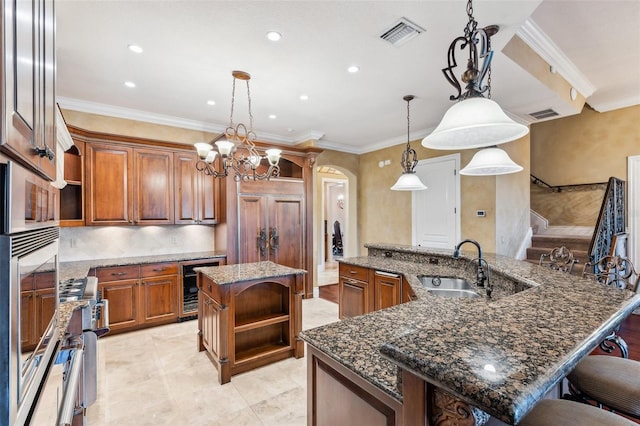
[[209, 287]]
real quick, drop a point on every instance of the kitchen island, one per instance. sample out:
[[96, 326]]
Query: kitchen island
[[437, 359], [249, 315]]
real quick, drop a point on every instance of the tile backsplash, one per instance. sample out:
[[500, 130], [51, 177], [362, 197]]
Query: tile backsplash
[[106, 242]]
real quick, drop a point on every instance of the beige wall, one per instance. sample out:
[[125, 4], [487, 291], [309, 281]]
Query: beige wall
[[385, 215], [585, 148]]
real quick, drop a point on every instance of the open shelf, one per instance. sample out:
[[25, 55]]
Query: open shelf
[[260, 351], [261, 322], [261, 302]]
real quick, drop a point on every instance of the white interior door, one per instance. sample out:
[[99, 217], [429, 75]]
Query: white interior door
[[436, 210]]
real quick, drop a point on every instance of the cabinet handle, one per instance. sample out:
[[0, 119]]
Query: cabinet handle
[[209, 287], [274, 240], [118, 274], [159, 269], [350, 281], [351, 271], [263, 244]]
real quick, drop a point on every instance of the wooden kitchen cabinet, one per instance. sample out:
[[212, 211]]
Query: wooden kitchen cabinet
[[72, 195], [27, 84], [387, 289], [355, 295], [109, 184], [128, 186], [140, 295], [196, 200], [249, 323], [362, 290]]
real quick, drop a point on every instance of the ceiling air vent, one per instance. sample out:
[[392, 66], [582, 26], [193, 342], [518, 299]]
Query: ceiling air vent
[[545, 113], [401, 32]]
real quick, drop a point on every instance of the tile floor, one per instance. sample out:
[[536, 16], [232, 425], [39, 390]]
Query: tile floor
[[157, 377], [329, 275]]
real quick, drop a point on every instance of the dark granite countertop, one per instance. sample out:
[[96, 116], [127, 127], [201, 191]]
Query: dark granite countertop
[[231, 274], [500, 354], [80, 269]]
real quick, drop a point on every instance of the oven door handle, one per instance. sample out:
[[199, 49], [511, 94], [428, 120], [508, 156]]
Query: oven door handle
[[68, 405], [104, 304]]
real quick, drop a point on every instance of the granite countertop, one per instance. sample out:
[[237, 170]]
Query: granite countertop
[[500, 355], [80, 268], [230, 274]]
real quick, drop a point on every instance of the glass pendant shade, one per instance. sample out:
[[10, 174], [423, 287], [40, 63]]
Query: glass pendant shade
[[474, 123], [408, 181], [203, 149], [490, 162]]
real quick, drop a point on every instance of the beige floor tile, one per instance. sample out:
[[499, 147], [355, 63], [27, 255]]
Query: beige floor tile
[[157, 377]]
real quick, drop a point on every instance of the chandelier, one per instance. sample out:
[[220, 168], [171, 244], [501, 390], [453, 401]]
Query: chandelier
[[408, 180], [474, 121], [238, 152]]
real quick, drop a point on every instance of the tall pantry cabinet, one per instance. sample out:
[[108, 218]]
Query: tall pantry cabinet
[[273, 220]]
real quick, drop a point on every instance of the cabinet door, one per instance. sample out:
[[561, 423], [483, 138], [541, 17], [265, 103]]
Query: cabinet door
[[123, 303], [252, 229], [45, 308], [159, 301], [208, 199], [27, 46], [153, 202], [353, 296], [210, 324], [109, 184], [285, 232], [186, 188], [387, 290]]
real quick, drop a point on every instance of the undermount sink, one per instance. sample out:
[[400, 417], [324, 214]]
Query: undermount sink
[[448, 286]]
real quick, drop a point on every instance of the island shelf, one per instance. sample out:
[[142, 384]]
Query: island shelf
[[249, 315]]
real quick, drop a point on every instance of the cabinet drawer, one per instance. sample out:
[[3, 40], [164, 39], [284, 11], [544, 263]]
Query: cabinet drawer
[[354, 272], [116, 273], [158, 269]]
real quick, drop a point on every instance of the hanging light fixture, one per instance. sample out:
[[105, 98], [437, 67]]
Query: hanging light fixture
[[490, 161], [474, 121], [408, 180], [238, 152]]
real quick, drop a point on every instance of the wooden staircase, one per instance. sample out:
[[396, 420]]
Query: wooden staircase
[[554, 237]]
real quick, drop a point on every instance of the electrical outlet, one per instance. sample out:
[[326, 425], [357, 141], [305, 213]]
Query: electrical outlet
[[174, 240], [73, 243]]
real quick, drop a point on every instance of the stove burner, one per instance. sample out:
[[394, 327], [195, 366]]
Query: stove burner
[[72, 289]]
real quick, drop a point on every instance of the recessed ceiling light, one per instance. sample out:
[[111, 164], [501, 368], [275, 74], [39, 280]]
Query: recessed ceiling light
[[135, 48], [304, 97], [130, 84], [210, 102], [273, 116], [353, 69], [274, 35]]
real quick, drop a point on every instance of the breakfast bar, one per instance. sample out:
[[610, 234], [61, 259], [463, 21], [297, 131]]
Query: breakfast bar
[[249, 315], [438, 359]]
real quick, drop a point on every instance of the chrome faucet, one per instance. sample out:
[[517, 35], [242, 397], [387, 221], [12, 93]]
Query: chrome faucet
[[481, 276]]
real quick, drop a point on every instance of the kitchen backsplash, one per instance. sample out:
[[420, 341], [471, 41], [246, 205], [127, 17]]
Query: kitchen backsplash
[[106, 242]]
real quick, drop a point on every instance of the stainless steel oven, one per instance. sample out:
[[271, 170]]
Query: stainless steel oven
[[29, 244]]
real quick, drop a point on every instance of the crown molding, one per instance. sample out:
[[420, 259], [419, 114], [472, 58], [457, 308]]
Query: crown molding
[[542, 44], [148, 117], [605, 106]]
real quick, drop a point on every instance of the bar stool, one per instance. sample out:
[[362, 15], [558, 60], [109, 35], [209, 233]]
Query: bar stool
[[561, 412], [559, 259], [609, 381]]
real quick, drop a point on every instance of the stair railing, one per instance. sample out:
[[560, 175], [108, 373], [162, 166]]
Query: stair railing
[[611, 220], [567, 188]]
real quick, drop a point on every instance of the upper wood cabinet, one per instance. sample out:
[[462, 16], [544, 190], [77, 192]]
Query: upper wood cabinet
[[109, 184], [131, 181], [27, 84], [195, 193]]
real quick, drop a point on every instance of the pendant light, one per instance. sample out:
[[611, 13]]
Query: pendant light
[[490, 162], [474, 121], [408, 180]]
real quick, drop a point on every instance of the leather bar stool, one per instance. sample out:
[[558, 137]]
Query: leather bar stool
[[560, 412], [606, 380]]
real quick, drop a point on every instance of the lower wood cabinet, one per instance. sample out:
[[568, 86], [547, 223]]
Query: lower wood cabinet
[[249, 324], [140, 295], [363, 290]]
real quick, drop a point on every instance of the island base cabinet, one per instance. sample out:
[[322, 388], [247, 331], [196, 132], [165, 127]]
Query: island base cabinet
[[336, 395], [249, 324]]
